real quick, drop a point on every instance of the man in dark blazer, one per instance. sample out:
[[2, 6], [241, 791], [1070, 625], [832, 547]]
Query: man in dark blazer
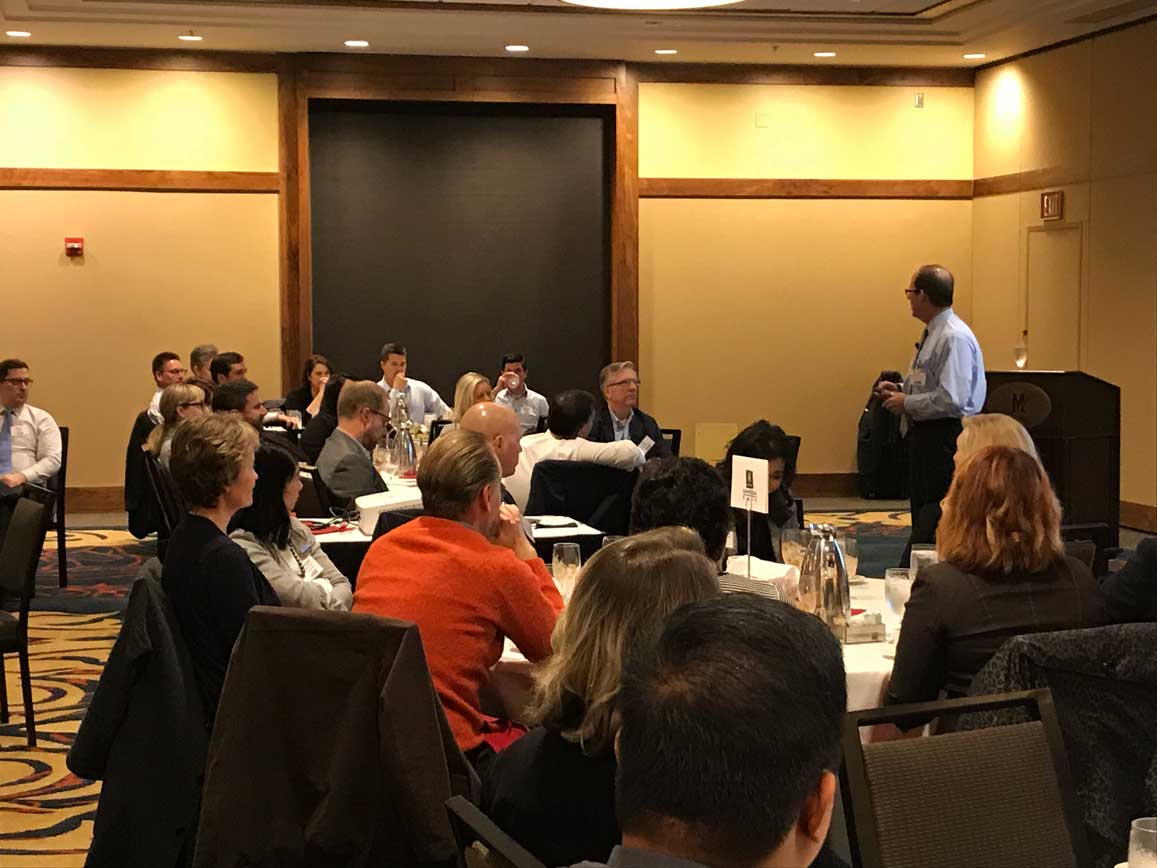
[[1131, 593], [620, 417], [346, 464]]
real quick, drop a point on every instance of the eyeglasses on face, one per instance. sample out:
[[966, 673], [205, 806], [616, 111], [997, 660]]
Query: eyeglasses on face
[[193, 404], [19, 381], [632, 382]]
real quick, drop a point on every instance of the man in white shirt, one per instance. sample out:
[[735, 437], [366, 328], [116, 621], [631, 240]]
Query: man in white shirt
[[167, 370], [527, 404], [29, 439], [568, 423], [421, 399]]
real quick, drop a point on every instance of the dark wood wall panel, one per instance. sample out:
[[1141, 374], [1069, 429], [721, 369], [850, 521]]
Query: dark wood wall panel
[[800, 188]]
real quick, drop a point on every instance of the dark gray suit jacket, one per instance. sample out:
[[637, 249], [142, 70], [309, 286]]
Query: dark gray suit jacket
[[642, 425], [346, 467]]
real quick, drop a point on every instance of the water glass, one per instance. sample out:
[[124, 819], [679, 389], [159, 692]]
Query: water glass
[[897, 590], [294, 414], [610, 539], [566, 561], [793, 546], [923, 555], [1143, 843]]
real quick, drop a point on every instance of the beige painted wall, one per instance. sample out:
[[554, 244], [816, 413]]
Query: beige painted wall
[[161, 271], [788, 309], [1083, 111]]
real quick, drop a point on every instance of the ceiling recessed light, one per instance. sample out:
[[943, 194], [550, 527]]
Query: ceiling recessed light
[[517, 49], [356, 43], [975, 55], [651, 5], [17, 34], [190, 37], [666, 50], [823, 54]]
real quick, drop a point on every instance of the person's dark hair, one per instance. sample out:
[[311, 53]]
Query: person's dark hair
[[330, 395], [391, 348], [728, 719], [222, 362], [683, 491], [230, 397], [936, 282], [160, 359], [513, 359], [9, 365], [763, 440], [312, 362], [268, 519], [200, 354], [569, 411]]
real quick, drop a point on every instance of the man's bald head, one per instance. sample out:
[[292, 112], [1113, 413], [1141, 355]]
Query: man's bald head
[[501, 426]]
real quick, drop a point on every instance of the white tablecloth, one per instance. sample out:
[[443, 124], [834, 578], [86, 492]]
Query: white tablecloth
[[867, 665]]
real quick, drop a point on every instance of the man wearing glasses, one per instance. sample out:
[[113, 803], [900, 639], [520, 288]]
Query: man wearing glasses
[[29, 439], [620, 417], [346, 463], [945, 384], [167, 371]]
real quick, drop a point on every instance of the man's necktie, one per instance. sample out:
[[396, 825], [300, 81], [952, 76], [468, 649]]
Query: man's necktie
[[5, 440]]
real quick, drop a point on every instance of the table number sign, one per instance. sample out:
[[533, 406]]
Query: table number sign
[[749, 491]]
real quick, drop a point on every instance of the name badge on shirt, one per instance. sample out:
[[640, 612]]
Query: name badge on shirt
[[312, 568], [918, 377]]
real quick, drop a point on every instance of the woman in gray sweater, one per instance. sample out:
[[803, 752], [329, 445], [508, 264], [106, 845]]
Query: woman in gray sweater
[[280, 546]]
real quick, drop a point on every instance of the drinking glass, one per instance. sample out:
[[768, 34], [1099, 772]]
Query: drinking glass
[[923, 555], [610, 539], [793, 546], [566, 560], [897, 590], [1143, 843], [851, 552], [294, 414]]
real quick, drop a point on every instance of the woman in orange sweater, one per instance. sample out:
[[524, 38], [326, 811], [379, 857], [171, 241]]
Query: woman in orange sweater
[[466, 574]]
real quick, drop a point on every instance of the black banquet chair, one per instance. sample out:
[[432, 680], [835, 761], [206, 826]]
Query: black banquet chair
[[481, 844], [594, 494], [991, 798], [19, 560]]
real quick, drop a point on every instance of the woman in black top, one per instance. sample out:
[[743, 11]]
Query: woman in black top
[[307, 397], [207, 577], [763, 440], [1002, 573], [553, 789]]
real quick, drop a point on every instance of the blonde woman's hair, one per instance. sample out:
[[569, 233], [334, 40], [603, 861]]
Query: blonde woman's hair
[[454, 470], [208, 454], [992, 429], [623, 592], [172, 398], [464, 392], [1001, 515]]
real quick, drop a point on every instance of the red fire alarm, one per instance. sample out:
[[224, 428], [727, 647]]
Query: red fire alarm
[[74, 247]]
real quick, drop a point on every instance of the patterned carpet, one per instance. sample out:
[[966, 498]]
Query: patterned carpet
[[46, 812]]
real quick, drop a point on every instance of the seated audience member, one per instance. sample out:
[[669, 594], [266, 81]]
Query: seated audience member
[[421, 399], [1002, 573], [764, 440], [553, 790], [620, 417], [729, 738], [179, 401], [306, 398], [466, 574], [167, 370], [288, 555], [207, 577], [240, 396], [500, 426], [565, 439], [30, 449], [687, 492], [200, 373], [472, 388], [513, 392], [991, 429], [1131, 592], [346, 462], [228, 368], [318, 429]]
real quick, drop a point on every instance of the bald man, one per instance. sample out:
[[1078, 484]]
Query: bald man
[[500, 425]]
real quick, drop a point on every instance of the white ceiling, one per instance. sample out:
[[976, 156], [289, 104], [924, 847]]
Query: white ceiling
[[862, 32]]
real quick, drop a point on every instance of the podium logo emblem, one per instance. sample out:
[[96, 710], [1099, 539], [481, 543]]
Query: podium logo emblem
[[1028, 404]]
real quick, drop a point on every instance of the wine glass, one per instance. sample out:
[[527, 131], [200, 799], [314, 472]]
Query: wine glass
[[793, 546], [566, 561], [923, 555], [897, 590], [1143, 843]]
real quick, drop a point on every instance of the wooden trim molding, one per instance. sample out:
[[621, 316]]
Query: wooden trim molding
[[625, 221], [1139, 516], [75, 57], [1023, 182], [103, 498], [800, 188], [139, 180], [847, 76], [294, 344]]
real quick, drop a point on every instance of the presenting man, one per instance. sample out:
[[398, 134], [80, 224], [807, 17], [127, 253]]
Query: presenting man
[[421, 399], [620, 417], [30, 447], [528, 404], [945, 384]]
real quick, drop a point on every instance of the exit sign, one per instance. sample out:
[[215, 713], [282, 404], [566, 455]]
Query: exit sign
[[1052, 205]]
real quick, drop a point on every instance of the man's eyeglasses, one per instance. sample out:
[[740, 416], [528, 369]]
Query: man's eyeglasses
[[634, 382], [385, 416], [19, 381], [913, 291]]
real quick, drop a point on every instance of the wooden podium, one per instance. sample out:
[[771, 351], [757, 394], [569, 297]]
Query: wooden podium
[[1075, 421]]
